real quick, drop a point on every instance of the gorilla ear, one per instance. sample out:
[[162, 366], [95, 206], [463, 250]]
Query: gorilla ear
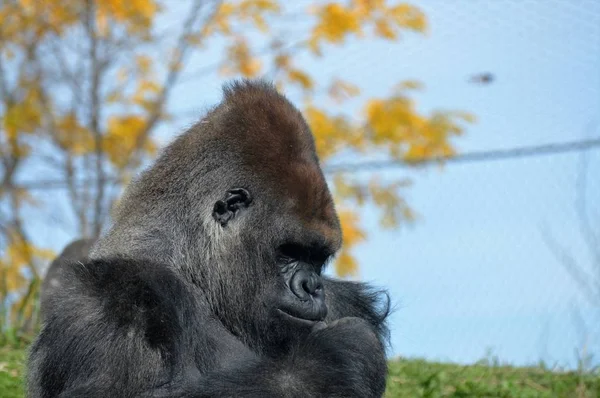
[[235, 200]]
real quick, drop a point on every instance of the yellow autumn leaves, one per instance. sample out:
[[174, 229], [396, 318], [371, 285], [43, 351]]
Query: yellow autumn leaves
[[334, 22], [135, 15], [19, 256], [131, 91], [24, 20], [122, 137], [346, 264], [393, 125], [337, 21]]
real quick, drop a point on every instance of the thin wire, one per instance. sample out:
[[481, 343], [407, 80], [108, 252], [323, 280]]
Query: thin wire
[[469, 157], [472, 157]]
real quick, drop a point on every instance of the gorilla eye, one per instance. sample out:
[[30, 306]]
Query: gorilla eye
[[291, 252]]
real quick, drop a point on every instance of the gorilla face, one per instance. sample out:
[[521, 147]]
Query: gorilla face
[[289, 298]]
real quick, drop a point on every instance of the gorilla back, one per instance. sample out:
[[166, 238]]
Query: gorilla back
[[209, 282], [74, 251]]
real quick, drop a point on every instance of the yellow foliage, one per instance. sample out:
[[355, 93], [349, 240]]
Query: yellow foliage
[[136, 15], [220, 23], [19, 255], [365, 8], [345, 264], [245, 10], [391, 124], [72, 136], [352, 234], [24, 196], [391, 120], [394, 122], [299, 77], [248, 6], [122, 75], [394, 209], [384, 29], [24, 116], [147, 90], [344, 190], [128, 10], [143, 63], [24, 18], [409, 85], [195, 39], [114, 96], [334, 23], [340, 90], [13, 276], [466, 116], [409, 17], [331, 133], [282, 61], [240, 60], [121, 138]]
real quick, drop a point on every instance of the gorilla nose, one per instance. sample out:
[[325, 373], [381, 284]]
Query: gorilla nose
[[306, 284]]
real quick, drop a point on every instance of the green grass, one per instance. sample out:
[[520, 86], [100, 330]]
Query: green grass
[[414, 378], [11, 372]]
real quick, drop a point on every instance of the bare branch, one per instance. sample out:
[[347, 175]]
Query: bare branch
[[18, 228], [96, 67], [181, 50], [268, 49], [66, 73]]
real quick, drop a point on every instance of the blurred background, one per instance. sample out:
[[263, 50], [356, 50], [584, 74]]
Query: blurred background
[[460, 138]]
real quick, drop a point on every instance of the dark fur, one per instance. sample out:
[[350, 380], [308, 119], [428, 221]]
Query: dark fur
[[180, 298], [74, 251]]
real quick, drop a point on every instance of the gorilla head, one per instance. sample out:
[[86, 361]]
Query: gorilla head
[[239, 206]]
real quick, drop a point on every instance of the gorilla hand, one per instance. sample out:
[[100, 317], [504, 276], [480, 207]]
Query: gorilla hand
[[348, 352]]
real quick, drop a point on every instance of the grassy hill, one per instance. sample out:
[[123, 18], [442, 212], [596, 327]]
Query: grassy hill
[[414, 378]]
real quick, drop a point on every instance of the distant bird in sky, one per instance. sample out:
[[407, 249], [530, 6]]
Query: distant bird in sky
[[482, 78]]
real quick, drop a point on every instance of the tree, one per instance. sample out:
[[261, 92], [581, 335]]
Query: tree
[[85, 84]]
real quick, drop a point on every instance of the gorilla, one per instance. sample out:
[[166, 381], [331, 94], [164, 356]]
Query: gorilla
[[74, 251], [209, 282]]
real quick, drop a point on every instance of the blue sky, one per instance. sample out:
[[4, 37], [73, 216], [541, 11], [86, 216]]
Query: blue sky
[[474, 272]]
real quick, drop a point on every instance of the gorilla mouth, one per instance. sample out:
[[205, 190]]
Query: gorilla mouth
[[295, 319]]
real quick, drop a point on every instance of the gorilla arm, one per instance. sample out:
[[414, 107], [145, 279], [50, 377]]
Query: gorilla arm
[[345, 357], [129, 328], [125, 328]]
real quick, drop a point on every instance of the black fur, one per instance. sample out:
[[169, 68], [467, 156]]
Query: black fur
[[75, 251], [208, 283]]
